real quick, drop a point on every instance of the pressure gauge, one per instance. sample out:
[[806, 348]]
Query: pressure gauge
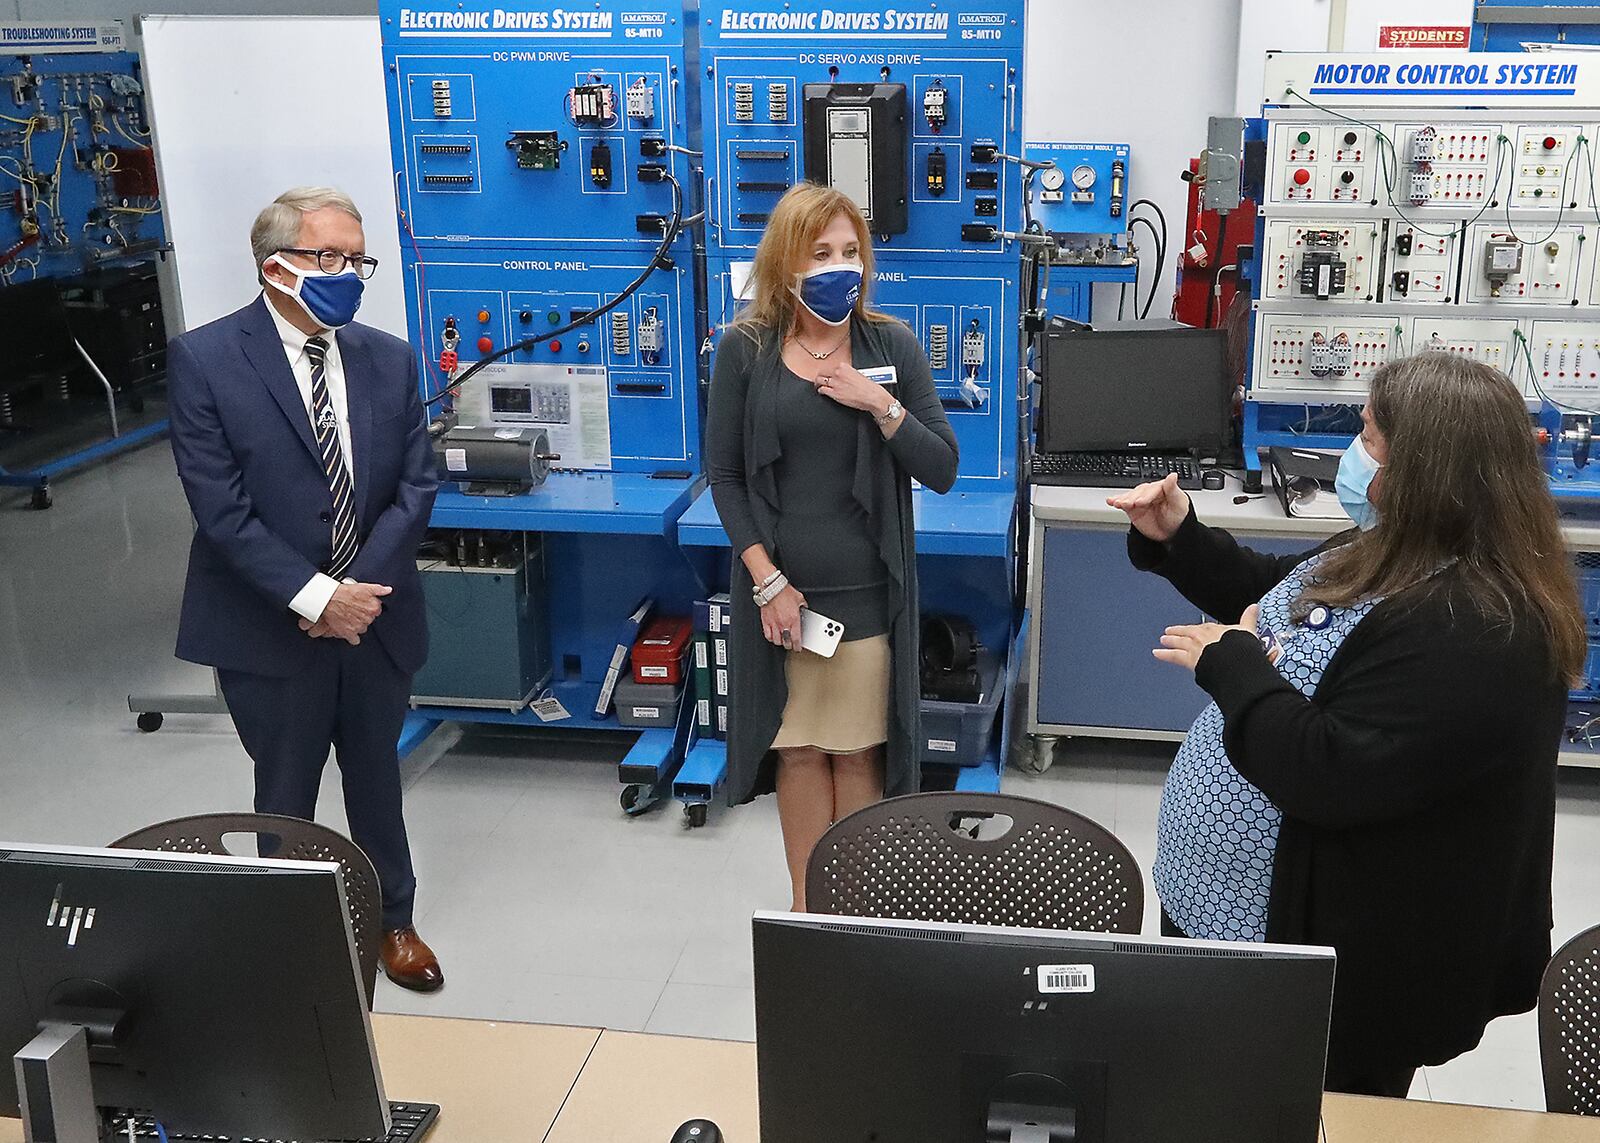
[[1052, 178], [1083, 176]]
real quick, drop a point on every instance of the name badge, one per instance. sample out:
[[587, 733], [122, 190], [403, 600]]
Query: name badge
[[881, 375]]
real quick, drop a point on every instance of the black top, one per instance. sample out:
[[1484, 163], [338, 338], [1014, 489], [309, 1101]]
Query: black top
[[744, 449], [825, 542], [1418, 794]]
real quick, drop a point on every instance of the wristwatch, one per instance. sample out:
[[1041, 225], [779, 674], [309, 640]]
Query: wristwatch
[[891, 414]]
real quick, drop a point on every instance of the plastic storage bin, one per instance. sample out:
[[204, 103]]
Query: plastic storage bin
[[957, 733]]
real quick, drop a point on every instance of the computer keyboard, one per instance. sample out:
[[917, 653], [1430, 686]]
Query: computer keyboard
[[408, 1123], [1112, 469]]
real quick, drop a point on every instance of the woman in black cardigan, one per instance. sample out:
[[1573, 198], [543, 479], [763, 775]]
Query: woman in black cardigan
[[1377, 772]]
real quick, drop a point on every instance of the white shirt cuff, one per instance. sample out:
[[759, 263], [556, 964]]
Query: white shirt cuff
[[313, 597]]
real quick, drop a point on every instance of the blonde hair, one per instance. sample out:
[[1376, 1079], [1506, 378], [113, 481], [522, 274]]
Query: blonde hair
[[278, 224], [804, 212]]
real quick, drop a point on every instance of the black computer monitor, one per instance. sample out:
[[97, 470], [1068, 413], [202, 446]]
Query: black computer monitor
[[911, 1032], [220, 994], [1116, 389]]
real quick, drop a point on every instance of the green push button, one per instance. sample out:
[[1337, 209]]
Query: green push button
[[1303, 138], [553, 317]]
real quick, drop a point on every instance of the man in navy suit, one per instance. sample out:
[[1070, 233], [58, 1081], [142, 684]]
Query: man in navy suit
[[303, 449]]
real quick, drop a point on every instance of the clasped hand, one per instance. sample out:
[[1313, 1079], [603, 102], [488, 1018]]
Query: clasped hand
[[349, 613]]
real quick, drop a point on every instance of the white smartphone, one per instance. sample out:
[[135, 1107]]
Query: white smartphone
[[819, 634]]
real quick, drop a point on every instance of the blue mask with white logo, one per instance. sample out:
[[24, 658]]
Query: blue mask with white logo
[[1356, 470], [331, 299], [831, 292]]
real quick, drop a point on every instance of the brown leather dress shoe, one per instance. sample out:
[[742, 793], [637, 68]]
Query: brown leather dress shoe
[[409, 962]]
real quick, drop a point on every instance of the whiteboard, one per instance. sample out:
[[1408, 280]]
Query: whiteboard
[[245, 107]]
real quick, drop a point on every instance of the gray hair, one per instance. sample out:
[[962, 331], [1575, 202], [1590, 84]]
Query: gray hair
[[278, 224]]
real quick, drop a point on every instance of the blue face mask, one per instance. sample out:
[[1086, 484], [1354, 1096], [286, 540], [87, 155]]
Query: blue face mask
[[1356, 470], [331, 299], [831, 292]]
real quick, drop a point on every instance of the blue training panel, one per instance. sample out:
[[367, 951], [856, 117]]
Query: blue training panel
[[929, 157], [77, 173], [534, 178]]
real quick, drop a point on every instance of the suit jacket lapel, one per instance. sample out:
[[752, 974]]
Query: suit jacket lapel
[[358, 407], [264, 349]]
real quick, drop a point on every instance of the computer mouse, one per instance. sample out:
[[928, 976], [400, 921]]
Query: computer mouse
[[698, 1131], [1212, 478]]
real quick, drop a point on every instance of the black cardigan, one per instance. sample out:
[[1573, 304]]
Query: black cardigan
[[1418, 794]]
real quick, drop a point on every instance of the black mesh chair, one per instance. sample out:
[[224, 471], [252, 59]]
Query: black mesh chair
[[1569, 1026], [293, 840], [923, 857]]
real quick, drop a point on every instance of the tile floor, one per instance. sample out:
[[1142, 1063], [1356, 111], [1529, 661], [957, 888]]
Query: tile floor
[[544, 902]]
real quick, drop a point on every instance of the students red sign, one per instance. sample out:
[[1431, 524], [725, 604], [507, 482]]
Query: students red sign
[[1423, 36]]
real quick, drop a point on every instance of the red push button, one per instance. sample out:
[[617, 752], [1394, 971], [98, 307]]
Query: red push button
[[555, 346], [1302, 177], [485, 344], [1549, 142]]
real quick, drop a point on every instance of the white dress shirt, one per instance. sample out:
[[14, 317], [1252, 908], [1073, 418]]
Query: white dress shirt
[[313, 598]]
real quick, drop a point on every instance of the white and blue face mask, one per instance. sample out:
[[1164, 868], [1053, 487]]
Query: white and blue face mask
[[331, 300], [1356, 470], [830, 292]]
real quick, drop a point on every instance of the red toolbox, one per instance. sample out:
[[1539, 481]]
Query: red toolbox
[[659, 652]]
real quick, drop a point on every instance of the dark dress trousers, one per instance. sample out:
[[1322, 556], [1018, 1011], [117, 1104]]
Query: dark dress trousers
[[263, 509]]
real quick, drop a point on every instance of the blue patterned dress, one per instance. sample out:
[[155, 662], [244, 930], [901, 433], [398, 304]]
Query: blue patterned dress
[[1217, 833]]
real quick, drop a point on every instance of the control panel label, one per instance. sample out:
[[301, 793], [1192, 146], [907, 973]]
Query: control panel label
[[1426, 77], [30, 38], [522, 21]]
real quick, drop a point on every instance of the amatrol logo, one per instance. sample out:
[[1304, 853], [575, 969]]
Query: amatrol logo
[[1423, 36], [644, 17], [982, 19], [828, 20]]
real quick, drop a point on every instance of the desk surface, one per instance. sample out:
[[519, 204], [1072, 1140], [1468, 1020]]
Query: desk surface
[[526, 1083], [1260, 516]]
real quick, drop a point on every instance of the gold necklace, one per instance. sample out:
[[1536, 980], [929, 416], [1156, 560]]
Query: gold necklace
[[820, 356]]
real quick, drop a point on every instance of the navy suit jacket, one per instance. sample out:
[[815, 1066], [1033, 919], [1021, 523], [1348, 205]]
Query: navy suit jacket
[[261, 502]]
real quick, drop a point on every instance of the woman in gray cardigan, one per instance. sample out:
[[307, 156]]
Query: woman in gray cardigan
[[811, 463]]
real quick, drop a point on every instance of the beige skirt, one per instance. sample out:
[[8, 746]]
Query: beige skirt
[[838, 705]]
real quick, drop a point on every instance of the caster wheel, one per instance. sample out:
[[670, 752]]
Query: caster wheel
[[630, 798], [694, 815], [150, 721], [1043, 754], [41, 498]]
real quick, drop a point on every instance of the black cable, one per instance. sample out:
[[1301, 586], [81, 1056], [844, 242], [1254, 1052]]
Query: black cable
[[1162, 241], [669, 235], [1216, 276], [1143, 311]]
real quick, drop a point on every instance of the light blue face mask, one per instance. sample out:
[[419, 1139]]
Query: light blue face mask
[[1356, 470]]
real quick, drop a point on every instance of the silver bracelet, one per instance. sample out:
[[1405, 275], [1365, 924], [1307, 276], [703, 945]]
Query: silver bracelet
[[770, 579], [765, 595]]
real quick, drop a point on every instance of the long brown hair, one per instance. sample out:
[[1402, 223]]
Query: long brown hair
[[804, 212], [1463, 484]]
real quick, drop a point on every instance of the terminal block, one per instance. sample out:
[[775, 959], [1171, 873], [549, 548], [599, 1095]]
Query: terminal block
[[744, 103], [593, 104], [441, 99], [641, 101], [1322, 265], [939, 347], [649, 337]]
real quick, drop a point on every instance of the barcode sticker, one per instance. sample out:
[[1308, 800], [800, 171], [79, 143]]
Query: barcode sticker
[[942, 745], [702, 712], [1057, 978], [700, 655]]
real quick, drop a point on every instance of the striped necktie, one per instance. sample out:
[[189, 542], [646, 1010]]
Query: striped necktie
[[326, 427]]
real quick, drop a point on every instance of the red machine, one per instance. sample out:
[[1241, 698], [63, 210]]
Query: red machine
[[1209, 258]]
